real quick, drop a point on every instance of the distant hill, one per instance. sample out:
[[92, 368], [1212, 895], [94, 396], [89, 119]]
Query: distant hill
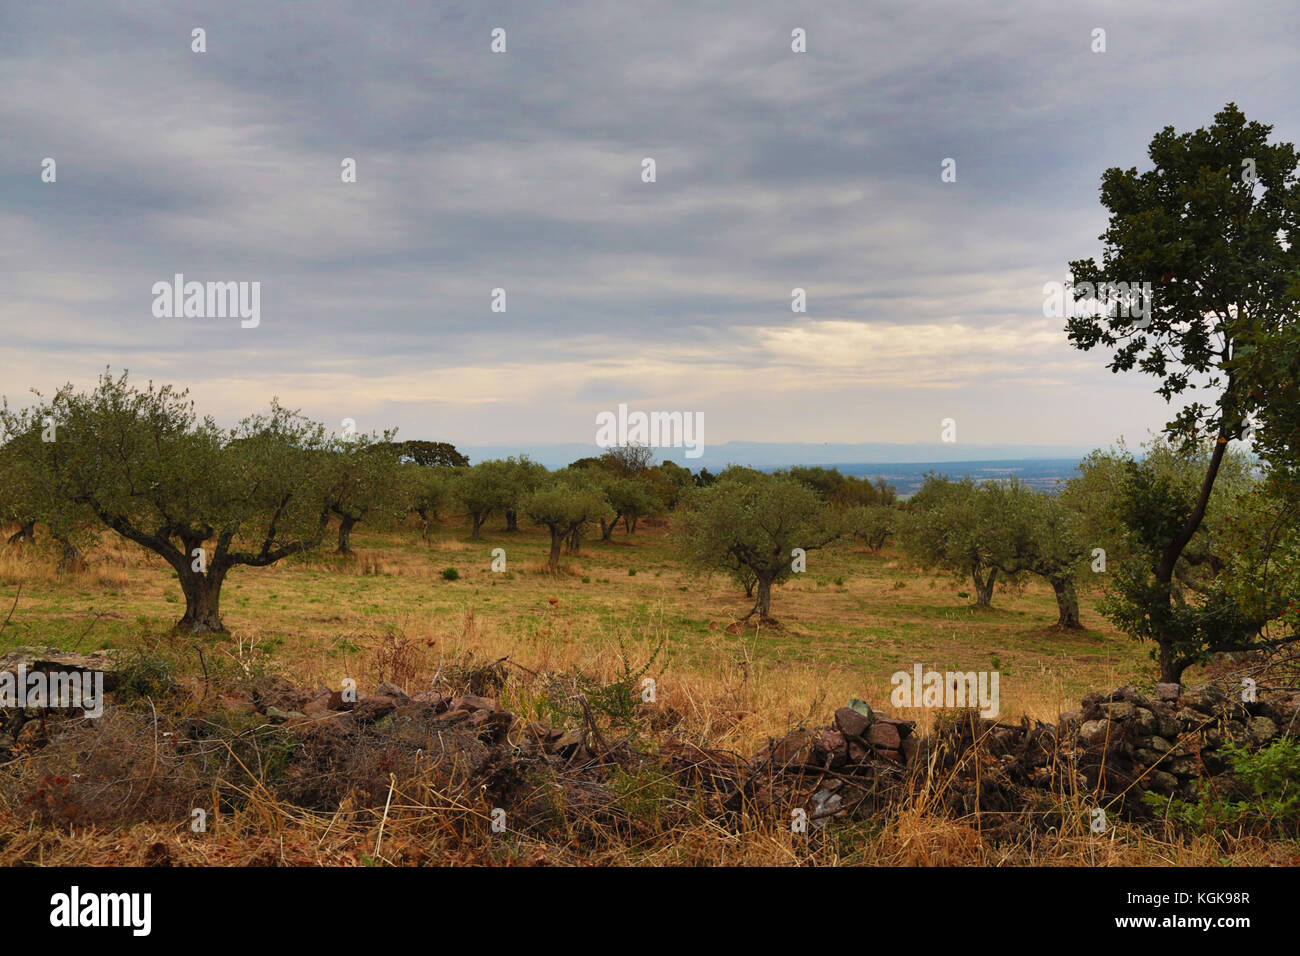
[[907, 478], [770, 455]]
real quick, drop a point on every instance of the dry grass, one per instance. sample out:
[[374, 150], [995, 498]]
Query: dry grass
[[385, 613]]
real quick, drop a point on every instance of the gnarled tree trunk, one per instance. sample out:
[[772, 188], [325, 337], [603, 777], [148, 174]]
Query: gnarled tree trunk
[[983, 587], [202, 600], [26, 534], [1067, 603], [346, 525]]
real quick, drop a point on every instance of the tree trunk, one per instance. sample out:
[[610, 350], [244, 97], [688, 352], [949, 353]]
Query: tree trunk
[[202, 601], [512, 520], [984, 588], [763, 604], [345, 534], [25, 534], [70, 559], [575, 540], [1171, 668], [607, 530], [557, 539], [478, 520], [1067, 603]]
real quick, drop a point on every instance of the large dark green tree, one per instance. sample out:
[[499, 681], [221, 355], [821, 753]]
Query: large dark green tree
[[1212, 226]]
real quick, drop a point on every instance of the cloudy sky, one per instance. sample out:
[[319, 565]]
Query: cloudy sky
[[523, 170]]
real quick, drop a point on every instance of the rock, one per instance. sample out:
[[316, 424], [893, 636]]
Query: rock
[[1147, 720], [824, 803], [387, 689], [904, 727], [437, 701], [850, 722], [1209, 699], [569, 742], [1094, 732], [1160, 781], [1168, 692], [373, 708], [832, 748], [1069, 723], [1183, 766], [882, 734], [1261, 730], [278, 715], [471, 702], [793, 749], [1119, 710], [277, 692], [538, 731], [47, 659], [319, 707], [336, 701]]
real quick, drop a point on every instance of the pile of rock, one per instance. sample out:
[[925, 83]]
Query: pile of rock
[[1117, 746], [1164, 742], [391, 708]]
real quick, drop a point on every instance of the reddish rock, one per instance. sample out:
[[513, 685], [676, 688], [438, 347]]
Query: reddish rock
[[794, 749], [373, 708], [471, 702], [832, 749], [903, 727], [849, 722], [882, 734]]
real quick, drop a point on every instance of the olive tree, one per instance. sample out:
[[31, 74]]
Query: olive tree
[[485, 489], [564, 507], [750, 521], [364, 483], [204, 498]]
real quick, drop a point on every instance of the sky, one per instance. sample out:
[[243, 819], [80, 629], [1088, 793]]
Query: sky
[[523, 170]]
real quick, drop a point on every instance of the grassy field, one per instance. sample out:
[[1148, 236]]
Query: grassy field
[[620, 608], [845, 625]]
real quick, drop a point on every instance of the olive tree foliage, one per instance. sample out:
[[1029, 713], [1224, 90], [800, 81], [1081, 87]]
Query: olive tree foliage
[[998, 528], [1213, 227], [204, 498], [1057, 548], [428, 491], [749, 523], [1221, 593], [365, 482], [26, 498], [485, 489], [565, 506], [949, 526], [875, 524], [526, 476]]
